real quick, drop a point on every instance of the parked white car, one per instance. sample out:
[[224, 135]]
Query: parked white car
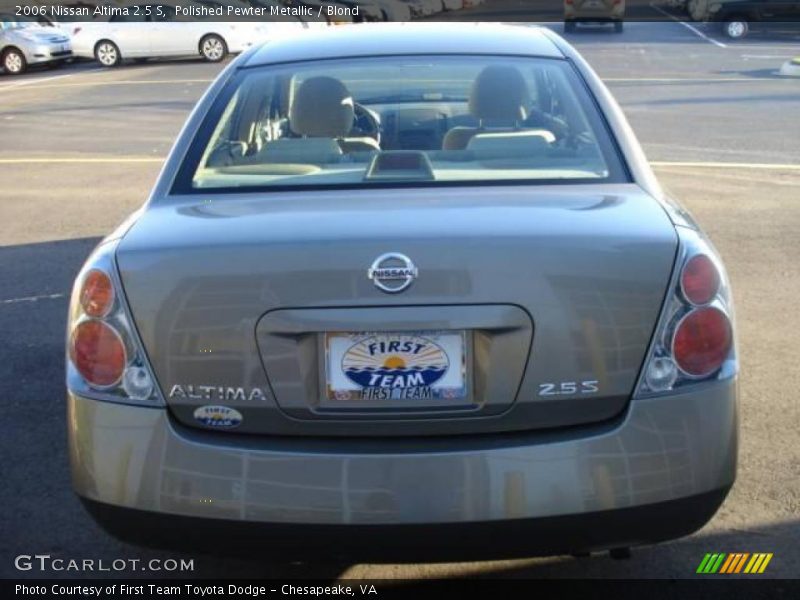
[[394, 10], [424, 8], [150, 31], [453, 4]]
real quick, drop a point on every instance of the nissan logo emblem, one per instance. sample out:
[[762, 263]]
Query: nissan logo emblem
[[392, 272]]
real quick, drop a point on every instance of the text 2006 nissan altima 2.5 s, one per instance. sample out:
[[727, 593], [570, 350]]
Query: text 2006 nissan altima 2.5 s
[[405, 291]]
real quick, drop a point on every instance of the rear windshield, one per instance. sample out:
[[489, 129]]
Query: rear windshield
[[420, 120]]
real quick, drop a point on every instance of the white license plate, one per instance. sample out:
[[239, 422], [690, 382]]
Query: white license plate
[[402, 366]]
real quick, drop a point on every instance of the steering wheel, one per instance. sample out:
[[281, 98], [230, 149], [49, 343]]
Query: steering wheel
[[366, 123], [539, 118]]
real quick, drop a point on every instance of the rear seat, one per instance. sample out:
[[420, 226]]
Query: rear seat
[[510, 144]]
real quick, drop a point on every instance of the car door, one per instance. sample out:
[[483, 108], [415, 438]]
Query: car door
[[130, 32], [172, 37], [777, 11], [779, 17]]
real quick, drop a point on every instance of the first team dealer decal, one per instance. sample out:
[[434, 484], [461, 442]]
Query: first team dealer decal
[[395, 366], [221, 417]]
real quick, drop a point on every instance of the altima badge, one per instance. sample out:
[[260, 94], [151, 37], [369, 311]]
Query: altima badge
[[217, 393], [392, 272]]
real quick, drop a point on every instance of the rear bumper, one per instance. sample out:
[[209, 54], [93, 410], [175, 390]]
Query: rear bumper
[[83, 47], [616, 13], [601, 530], [608, 485]]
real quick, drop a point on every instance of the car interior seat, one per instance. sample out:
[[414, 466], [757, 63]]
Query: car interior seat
[[321, 115], [498, 100]]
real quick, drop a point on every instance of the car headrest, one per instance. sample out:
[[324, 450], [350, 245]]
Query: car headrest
[[322, 107], [499, 92], [311, 151], [511, 144]]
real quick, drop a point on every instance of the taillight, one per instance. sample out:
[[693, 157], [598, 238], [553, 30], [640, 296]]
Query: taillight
[[694, 340], [699, 280], [98, 352], [106, 361], [97, 294], [702, 341]]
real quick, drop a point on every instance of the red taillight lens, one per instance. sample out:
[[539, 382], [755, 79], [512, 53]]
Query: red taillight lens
[[97, 351], [97, 294], [700, 280], [702, 341]]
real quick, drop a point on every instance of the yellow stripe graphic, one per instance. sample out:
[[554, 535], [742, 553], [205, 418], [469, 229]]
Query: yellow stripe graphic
[[755, 562], [765, 563], [749, 566], [757, 565]]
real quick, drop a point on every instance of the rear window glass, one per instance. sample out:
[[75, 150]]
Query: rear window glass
[[421, 120]]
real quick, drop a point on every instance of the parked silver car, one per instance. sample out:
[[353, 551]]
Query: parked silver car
[[23, 42], [401, 281]]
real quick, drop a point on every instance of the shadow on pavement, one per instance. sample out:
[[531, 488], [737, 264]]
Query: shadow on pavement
[[757, 73]]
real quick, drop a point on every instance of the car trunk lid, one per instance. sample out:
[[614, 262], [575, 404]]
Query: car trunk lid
[[554, 292]]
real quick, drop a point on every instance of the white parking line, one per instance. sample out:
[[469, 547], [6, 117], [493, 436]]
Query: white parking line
[[16, 84], [688, 79], [691, 28], [132, 82], [158, 159], [766, 56], [32, 298], [727, 165], [81, 160], [771, 48]]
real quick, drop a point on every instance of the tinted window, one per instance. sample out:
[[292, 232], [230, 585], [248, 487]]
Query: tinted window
[[407, 119]]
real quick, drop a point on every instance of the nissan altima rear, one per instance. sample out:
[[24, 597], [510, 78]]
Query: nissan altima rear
[[398, 282]]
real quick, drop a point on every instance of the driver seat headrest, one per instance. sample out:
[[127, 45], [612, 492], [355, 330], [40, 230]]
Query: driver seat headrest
[[499, 93], [322, 107]]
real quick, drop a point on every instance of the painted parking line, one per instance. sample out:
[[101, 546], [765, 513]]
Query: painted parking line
[[767, 56], [691, 79], [16, 84], [44, 80], [207, 81], [32, 298], [109, 83], [728, 165], [752, 43], [80, 160], [691, 28], [159, 159]]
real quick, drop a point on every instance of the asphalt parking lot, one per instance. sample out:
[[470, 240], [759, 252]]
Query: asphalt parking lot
[[80, 148]]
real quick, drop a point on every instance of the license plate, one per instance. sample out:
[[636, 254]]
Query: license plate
[[402, 366]]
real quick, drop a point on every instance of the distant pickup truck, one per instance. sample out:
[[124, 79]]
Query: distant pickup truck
[[738, 16]]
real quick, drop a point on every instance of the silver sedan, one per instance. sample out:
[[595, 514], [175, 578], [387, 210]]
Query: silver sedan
[[400, 283], [24, 43]]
